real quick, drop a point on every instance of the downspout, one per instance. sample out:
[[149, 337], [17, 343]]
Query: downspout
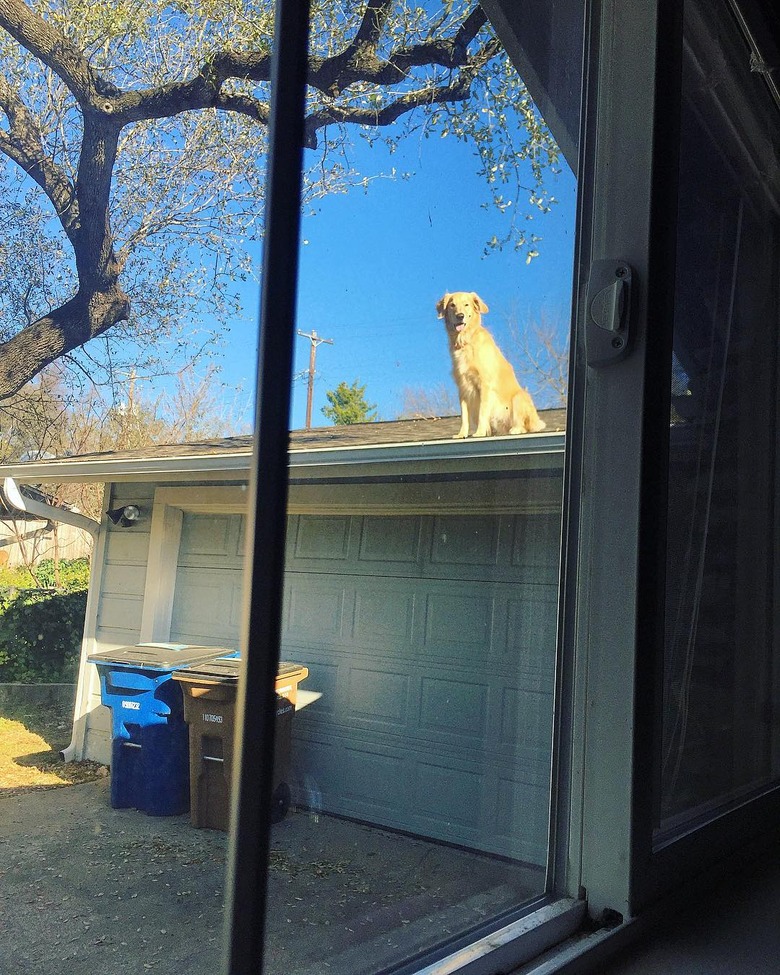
[[47, 512], [50, 512]]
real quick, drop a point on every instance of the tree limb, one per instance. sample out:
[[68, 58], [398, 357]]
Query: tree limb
[[83, 205], [53, 49], [22, 143], [359, 61], [36, 346], [459, 89]]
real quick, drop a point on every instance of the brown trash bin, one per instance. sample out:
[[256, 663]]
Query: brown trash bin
[[209, 691]]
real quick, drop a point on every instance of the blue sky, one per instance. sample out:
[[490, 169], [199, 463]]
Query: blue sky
[[374, 264]]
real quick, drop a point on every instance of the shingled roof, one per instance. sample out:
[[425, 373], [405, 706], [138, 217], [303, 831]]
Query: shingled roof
[[234, 453]]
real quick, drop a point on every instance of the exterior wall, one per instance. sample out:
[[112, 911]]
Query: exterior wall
[[117, 611], [132, 590]]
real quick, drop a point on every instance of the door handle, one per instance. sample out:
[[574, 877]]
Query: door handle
[[608, 316]]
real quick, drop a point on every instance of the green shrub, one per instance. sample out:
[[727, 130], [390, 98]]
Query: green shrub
[[19, 578], [73, 574], [40, 635]]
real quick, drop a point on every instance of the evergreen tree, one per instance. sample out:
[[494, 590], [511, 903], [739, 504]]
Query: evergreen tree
[[347, 404]]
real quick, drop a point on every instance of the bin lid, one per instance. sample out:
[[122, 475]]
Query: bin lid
[[158, 656], [292, 671], [218, 670], [225, 669]]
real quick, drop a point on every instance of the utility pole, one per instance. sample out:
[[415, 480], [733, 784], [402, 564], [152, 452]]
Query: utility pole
[[315, 341]]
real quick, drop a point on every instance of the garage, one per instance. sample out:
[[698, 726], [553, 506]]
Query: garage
[[420, 591], [430, 640]]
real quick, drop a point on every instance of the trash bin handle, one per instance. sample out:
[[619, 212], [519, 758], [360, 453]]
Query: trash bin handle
[[118, 681]]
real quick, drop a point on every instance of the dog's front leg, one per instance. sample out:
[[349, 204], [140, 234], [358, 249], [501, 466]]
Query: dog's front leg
[[485, 410], [464, 421]]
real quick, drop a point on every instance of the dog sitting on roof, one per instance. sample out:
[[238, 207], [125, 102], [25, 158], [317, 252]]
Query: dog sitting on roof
[[490, 394]]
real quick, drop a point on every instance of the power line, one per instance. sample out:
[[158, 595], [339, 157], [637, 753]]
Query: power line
[[315, 340]]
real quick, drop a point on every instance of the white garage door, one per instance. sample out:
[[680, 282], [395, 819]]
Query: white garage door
[[431, 640]]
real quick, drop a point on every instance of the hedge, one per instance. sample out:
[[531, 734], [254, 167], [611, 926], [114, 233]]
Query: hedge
[[71, 574], [41, 631]]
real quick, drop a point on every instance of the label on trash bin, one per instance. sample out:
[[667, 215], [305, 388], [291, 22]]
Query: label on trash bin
[[131, 705], [213, 718]]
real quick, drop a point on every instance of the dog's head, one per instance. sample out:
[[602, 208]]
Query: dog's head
[[460, 310]]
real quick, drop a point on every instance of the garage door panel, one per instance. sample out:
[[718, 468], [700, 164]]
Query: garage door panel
[[465, 540], [458, 623], [371, 776], [390, 540], [316, 607], [525, 716], [447, 795], [207, 606], [378, 696], [532, 630], [322, 537], [521, 817], [207, 537], [454, 709], [384, 615], [536, 546]]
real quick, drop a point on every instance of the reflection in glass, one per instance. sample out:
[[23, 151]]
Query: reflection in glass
[[720, 690]]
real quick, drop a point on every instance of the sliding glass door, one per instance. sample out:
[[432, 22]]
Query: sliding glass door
[[540, 650]]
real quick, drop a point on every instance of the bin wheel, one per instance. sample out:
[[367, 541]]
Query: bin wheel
[[280, 802]]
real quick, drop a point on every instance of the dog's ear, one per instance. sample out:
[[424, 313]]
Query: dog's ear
[[441, 304], [482, 308]]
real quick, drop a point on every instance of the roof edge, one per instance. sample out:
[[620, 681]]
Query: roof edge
[[236, 465]]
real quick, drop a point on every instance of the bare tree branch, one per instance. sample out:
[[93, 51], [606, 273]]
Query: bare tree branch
[[22, 143], [459, 89], [53, 49]]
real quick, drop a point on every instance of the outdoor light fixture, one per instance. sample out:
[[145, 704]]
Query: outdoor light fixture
[[125, 516]]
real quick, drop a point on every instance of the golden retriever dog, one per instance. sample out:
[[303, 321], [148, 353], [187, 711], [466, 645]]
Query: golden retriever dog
[[490, 394]]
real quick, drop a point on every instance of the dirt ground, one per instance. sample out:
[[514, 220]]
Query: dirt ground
[[92, 890], [30, 742]]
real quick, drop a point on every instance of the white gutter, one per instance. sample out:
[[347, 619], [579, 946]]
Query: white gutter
[[235, 464], [47, 512]]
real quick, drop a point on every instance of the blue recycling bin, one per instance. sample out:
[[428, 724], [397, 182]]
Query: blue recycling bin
[[149, 736]]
